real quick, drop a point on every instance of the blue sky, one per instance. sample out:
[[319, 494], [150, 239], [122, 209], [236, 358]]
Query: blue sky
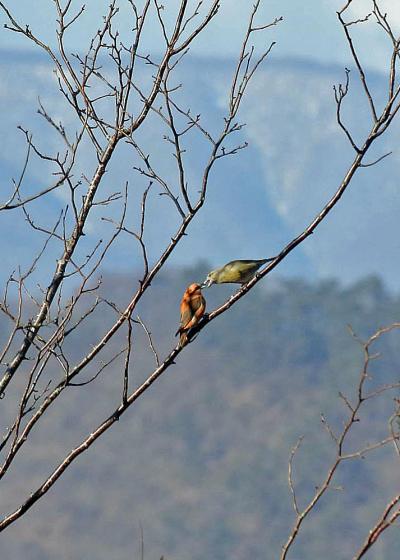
[[309, 30]]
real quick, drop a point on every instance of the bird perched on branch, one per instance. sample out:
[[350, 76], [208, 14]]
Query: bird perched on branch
[[235, 272], [193, 306]]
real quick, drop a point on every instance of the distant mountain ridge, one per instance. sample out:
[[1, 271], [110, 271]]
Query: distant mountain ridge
[[260, 198]]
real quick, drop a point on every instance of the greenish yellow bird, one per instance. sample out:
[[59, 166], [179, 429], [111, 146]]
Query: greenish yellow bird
[[235, 272]]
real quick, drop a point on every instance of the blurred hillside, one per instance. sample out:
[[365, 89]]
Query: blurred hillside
[[200, 462], [259, 199]]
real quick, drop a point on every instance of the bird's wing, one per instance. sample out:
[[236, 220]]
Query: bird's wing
[[197, 306], [186, 315], [250, 267], [200, 307]]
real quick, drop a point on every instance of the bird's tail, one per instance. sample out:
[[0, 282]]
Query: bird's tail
[[183, 334], [270, 259], [184, 338]]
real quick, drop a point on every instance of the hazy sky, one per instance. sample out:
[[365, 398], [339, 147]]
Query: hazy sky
[[309, 30]]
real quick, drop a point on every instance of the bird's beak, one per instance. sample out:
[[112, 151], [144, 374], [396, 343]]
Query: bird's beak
[[206, 284]]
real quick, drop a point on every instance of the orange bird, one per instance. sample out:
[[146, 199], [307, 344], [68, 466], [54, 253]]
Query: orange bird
[[193, 306]]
